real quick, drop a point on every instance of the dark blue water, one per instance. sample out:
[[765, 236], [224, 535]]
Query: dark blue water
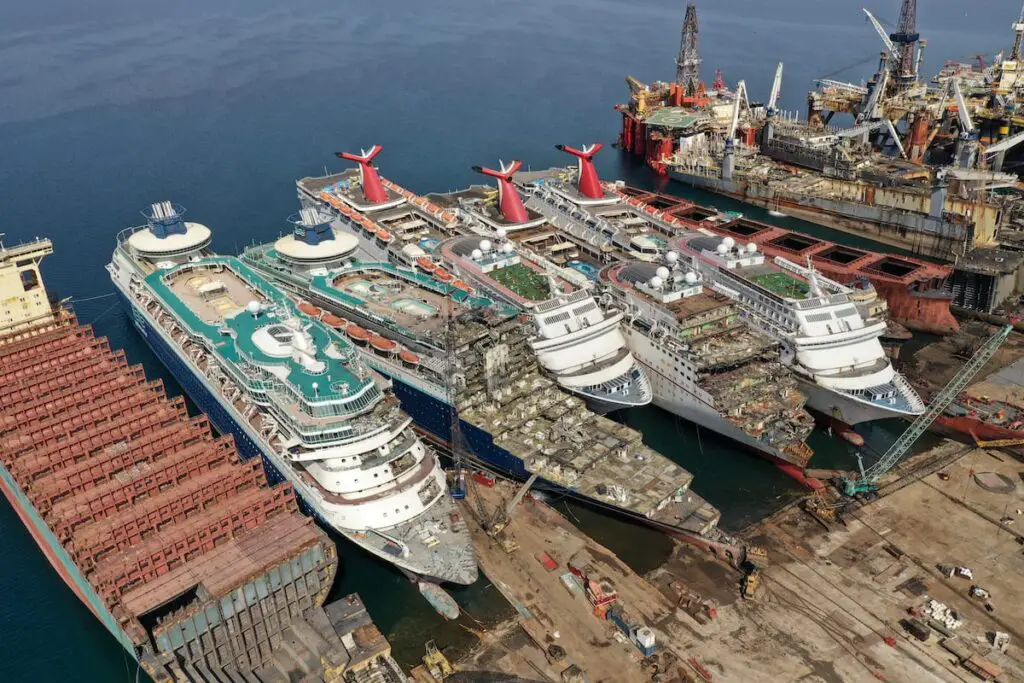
[[108, 105]]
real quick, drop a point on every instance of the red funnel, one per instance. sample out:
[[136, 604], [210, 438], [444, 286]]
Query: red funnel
[[589, 183], [373, 190], [508, 197]]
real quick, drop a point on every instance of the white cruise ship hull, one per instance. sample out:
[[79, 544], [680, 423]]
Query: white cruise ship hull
[[675, 394], [845, 409], [228, 420]]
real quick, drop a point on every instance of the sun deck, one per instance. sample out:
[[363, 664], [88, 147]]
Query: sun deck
[[210, 298], [417, 308]]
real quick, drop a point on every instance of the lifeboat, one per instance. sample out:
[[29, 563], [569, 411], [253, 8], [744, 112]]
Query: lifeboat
[[357, 333], [443, 275], [409, 357], [425, 263], [383, 343], [384, 236], [309, 309], [334, 321], [459, 284]]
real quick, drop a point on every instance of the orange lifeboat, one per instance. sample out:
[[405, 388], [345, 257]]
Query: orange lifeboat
[[384, 236], [334, 321], [459, 284], [383, 343], [425, 263], [409, 357], [309, 309], [357, 333], [443, 275]]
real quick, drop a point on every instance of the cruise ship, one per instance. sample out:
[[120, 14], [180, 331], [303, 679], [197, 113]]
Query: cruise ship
[[293, 391], [466, 236], [455, 352], [834, 351], [704, 363]]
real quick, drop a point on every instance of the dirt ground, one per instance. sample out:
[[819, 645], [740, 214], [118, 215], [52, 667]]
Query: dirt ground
[[827, 604], [933, 366], [851, 582]]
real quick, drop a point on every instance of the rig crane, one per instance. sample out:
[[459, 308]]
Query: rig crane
[[967, 145], [776, 89], [729, 158], [890, 49], [867, 482]]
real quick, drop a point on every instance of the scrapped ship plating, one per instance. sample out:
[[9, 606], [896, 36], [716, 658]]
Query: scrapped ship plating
[[293, 391], [834, 351]]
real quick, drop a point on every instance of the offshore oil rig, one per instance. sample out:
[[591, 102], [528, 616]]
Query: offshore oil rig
[[924, 166]]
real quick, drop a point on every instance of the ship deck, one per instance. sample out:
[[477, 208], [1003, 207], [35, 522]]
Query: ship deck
[[210, 296], [524, 282], [417, 308]]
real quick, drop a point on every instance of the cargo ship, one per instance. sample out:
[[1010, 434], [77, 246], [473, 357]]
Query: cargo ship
[[913, 292], [292, 392], [456, 353], [197, 566], [576, 343], [834, 352]]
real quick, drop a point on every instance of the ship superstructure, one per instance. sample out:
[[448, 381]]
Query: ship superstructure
[[908, 291], [705, 363], [293, 392], [465, 239], [185, 554], [514, 418], [834, 351]]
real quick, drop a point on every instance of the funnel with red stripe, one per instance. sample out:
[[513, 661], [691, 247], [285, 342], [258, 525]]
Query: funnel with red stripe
[[511, 205], [589, 184], [373, 190]]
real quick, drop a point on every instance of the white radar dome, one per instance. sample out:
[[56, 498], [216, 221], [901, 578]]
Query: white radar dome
[[721, 248], [656, 282], [729, 242], [691, 278], [502, 232], [253, 307], [752, 248], [477, 254], [671, 257], [662, 272], [485, 245], [507, 247]]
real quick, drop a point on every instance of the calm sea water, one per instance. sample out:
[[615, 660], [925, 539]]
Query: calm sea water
[[108, 105]]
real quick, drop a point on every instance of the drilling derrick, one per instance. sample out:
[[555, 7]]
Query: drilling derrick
[[688, 63], [1018, 37], [904, 41]]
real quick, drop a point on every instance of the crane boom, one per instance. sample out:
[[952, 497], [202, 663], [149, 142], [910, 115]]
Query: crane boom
[[895, 137], [882, 33], [961, 108], [776, 88], [741, 89], [899, 448], [1005, 144]]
